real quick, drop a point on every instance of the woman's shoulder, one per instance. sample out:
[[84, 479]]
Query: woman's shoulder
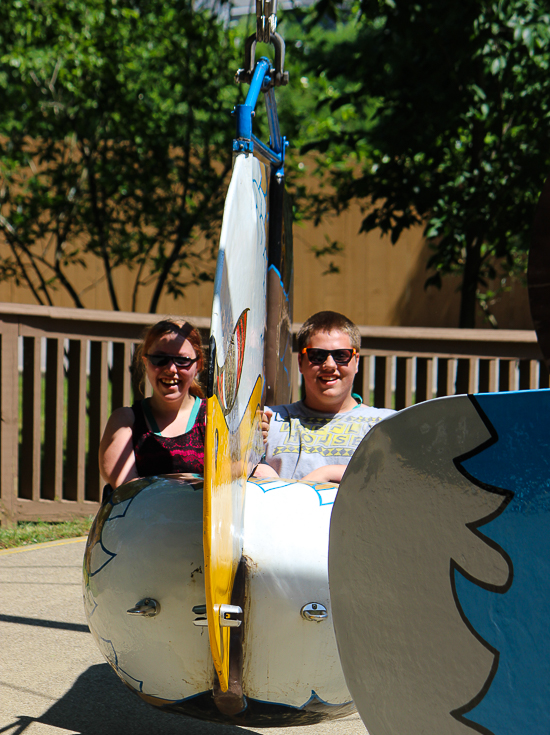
[[118, 430], [121, 418]]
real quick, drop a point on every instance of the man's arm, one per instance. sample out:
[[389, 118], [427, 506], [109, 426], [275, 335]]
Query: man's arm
[[327, 473], [264, 471]]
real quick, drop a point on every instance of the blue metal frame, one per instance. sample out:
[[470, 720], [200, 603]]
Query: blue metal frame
[[245, 139]]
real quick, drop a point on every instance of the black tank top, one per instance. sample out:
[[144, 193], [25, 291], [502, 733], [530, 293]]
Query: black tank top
[[163, 455]]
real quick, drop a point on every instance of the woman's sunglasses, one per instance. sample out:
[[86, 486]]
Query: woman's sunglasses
[[317, 356], [179, 361]]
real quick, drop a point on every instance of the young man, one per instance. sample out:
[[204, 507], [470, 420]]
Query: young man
[[314, 439]]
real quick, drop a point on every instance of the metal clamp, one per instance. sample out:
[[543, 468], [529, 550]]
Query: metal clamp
[[314, 612], [147, 608], [276, 76], [228, 615]]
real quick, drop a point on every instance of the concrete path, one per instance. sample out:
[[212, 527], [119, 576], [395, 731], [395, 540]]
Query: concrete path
[[53, 680]]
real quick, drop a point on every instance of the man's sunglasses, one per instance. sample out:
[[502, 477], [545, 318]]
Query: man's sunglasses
[[180, 361], [316, 356]]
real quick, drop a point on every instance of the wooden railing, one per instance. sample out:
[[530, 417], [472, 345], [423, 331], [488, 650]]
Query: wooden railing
[[406, 365], [63, 371]]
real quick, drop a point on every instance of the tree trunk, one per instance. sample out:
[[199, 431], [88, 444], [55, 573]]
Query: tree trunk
[[470, 279]]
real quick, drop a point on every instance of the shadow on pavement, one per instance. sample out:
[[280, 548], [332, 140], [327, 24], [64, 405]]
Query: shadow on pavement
[[99, 704], [18, 620]]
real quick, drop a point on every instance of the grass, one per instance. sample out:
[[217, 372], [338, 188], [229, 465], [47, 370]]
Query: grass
[[38, 532]]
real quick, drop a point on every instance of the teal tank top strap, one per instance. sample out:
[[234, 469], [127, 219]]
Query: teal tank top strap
[[153, 424], [146, 408], [193, 415]]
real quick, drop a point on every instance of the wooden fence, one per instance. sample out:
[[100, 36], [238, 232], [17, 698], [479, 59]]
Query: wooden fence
[[62, 371]]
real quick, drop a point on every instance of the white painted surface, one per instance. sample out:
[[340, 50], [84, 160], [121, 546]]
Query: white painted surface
[[403, 514], [287, 658], [241, 275], [157, 539]]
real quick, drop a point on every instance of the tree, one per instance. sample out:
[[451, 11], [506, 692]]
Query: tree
[[115, 140], [444, 116]]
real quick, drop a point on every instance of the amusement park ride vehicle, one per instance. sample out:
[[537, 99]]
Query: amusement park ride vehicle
[[202, 603], [212, 598]]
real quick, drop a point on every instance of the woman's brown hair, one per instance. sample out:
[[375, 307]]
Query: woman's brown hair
[[166, 326]]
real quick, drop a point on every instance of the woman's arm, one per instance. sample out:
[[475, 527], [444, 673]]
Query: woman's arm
[[117, 461]]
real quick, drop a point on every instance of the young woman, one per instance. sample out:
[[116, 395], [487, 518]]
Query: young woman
[[163, 434]]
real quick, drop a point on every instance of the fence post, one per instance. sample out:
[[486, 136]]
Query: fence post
[[403, 382], [120, 375], [382, 382], [53, 417], [98, 415], [76, 422], [365, 379], [424, 379], [29, 459], [9, 421]]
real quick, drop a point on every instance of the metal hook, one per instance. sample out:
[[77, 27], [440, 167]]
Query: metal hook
[[266, 19], [146, 608]]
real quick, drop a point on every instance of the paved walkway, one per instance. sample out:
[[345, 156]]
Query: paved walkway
[[53, 680]]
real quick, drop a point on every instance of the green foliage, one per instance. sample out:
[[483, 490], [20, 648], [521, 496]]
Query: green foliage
[[38, 532], [310, 120], [439, 114], [114, 139]]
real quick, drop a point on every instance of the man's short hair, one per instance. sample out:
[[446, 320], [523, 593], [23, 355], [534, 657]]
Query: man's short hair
[[328, 321]]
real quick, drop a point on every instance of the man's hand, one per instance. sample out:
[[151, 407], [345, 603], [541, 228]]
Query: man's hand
[[265, 421]]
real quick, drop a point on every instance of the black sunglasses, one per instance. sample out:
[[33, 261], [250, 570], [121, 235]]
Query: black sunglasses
[[180, 361], [317, 356]]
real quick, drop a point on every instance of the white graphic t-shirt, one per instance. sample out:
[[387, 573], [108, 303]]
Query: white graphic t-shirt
[[301, 440]]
